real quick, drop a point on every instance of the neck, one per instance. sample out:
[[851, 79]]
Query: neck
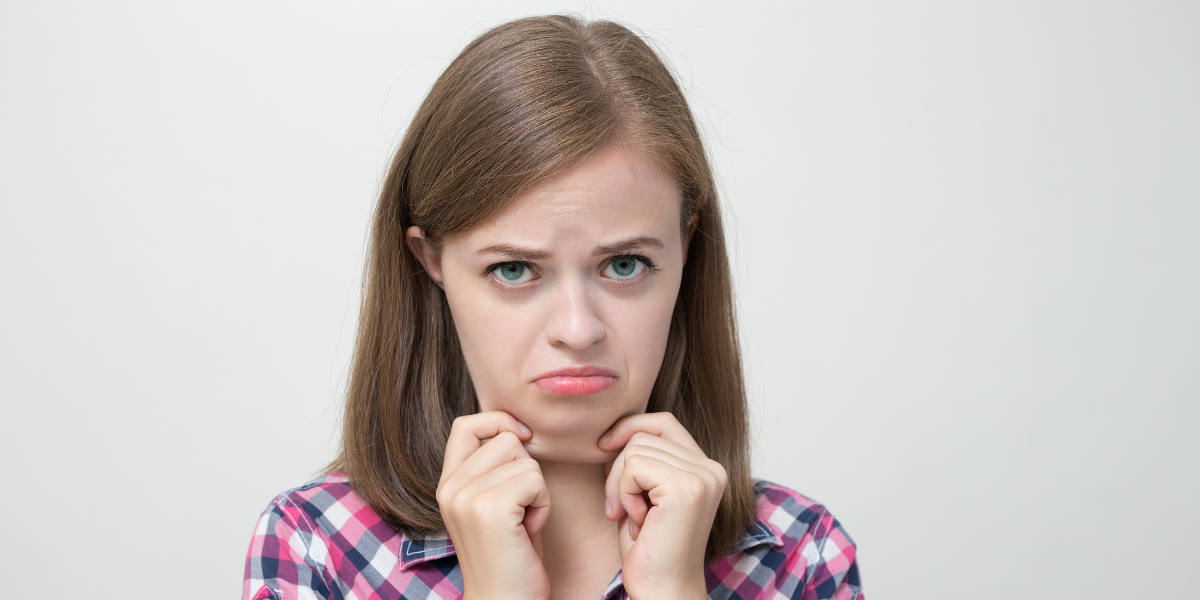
[[577, 532], [577, 491]]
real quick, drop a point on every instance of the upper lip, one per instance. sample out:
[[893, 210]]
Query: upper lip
[[582, 371]]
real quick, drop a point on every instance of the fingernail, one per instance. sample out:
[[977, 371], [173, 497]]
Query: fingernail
[[524, 429], [604, 440], [607, 508]]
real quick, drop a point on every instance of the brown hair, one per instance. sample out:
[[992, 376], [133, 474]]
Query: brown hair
[[524, 101]]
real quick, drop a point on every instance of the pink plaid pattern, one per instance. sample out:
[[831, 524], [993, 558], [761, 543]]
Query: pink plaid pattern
[[321, 540]]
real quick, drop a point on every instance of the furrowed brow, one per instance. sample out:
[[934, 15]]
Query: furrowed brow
[[628, 246], [514, 252]]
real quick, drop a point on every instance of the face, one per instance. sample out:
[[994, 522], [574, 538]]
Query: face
[[563, 301]]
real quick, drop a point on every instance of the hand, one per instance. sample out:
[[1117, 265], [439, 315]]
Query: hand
[[494, 503], [665, 492]]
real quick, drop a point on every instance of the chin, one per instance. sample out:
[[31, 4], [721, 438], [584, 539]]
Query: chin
[[569, 436], [567, 448]]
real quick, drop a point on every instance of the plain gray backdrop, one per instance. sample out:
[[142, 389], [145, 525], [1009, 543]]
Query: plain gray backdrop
[[964, 239]]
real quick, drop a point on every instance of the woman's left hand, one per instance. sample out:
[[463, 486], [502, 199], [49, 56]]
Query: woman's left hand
[[663, 540]]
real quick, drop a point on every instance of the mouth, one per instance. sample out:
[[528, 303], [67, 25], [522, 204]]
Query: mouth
[[576, 381]]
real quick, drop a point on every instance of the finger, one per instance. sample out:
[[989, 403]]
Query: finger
[[712, 472], [467, 433], [663, 425], [647, 428], [537, 547], [670, 458], [535, 519], [499, 475], [684, 452], [666, 450], [612, 499], [625, 537], [504, 448], [525, 491], [642, 473], [701, 482], [689, 480]]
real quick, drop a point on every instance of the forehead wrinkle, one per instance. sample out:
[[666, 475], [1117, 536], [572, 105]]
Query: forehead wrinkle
[[565, 202]]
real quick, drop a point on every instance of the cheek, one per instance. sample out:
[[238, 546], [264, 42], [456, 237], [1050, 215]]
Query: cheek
[[642, 330], [494, 340]]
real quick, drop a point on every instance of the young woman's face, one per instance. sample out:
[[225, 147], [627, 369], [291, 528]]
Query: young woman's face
[[563, 301]]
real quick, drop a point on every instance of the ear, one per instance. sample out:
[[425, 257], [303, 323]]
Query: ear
[[691, 230], [429, 257]]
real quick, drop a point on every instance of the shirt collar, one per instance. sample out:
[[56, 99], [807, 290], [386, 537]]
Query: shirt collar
[[758, 534], [417, 548]]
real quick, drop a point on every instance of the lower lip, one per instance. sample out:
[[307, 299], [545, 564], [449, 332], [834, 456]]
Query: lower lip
[[575, 386]]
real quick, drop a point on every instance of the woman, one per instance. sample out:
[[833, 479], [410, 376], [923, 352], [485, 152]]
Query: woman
[[546, 399]]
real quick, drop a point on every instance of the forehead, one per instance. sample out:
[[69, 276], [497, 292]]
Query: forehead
[[613, 194]]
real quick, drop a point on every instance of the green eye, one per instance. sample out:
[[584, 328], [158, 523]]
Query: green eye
[[512, 271], [624, 267]]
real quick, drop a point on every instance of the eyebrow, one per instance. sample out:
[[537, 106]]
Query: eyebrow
[[515, 252], [628, 245], [621, 247]]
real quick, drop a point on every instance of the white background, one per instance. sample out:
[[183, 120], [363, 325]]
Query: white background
[[964, 236]]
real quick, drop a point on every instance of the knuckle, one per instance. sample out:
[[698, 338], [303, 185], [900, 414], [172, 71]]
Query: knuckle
[[460, 505], [693, 484], [716, 481], [643, 437], [480, 509], [446, 489], [459, 425], [528, 477], [633, 461], [483, 505], [719, 470], [666, 417]]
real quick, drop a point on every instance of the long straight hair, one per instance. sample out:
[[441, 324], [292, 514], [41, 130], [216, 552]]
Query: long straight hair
[[523, 102]]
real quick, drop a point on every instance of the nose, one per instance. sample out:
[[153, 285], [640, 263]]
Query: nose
[[575, 322]]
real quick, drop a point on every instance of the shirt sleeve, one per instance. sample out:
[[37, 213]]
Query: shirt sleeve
[[830, 563], [285, 560]]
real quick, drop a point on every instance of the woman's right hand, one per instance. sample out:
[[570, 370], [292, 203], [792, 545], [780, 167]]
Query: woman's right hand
[[494, 502]]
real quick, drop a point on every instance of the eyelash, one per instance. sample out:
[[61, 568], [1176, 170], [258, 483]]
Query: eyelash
[[650, 266]]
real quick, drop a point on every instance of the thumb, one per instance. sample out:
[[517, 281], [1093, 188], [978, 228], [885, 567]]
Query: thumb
[[537, 547], [534, 520], [624, 538]]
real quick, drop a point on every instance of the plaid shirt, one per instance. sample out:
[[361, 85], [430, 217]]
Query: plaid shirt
[[321, 540]]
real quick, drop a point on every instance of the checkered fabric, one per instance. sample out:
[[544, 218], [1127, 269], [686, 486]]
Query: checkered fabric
[[321, 540]]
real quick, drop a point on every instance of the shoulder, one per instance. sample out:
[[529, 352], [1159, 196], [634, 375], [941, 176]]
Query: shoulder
[[326, 503], [795, 547], [316, 537], [327, 508], [796, 518]]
